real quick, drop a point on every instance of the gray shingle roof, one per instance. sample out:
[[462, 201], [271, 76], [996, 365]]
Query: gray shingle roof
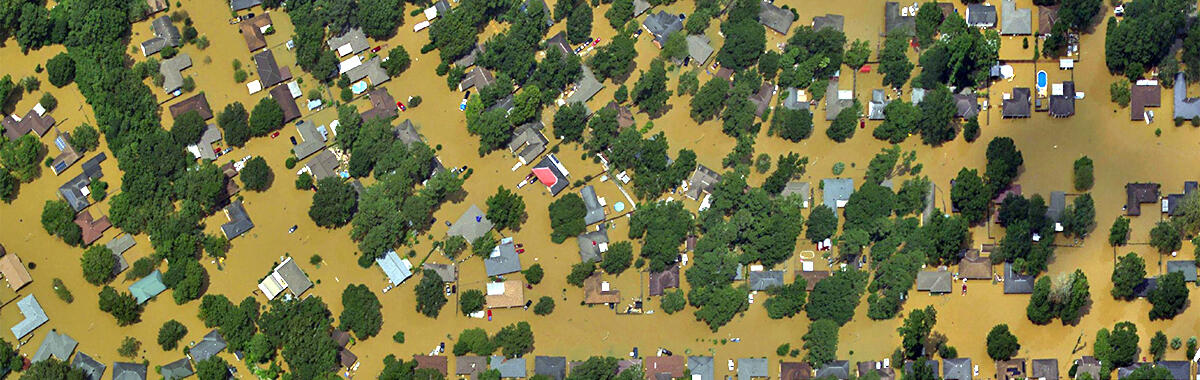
[[640, 6], [833, 103], [172, 71], [1187, 267], [762, 280], [239, 220], [177, 369], [313, 140], [1015, 20], [836, 190], [165, 34], [58, 345], [559, 41], [939, 282], [354, 37], [894, 22], [968, 105], [297, 281], [879, 100], [702, 180], [471, 224], [1044, 369], [72, 192], [372, 69], [120, 244], [268, 69], [702, 366], [323, 165], [503, 259], [778, 19], [1180, 369], [589, 245], [749, 368], [587, 87], [956, 369], [92, 369], [1016, 283], [595, 212], [514, 368], [1018, 105], [838, 369], [553, 366], [662, 24], [699, 48], [829, 20], [128, 371], [981, 15], [791, 99], [528, 142], [212, 344], [1185, 107], [1058, 203], [238, 5]]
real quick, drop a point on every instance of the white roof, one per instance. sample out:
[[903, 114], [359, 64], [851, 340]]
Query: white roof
[[495, 288], [294, 88], [39, 109], [431, 13], [344, 50], [420, 25], [1056, 89], [272, 286], [845, 94], [348, 64], [1066, 63], [254, 86]]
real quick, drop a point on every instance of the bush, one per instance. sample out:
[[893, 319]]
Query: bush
[[129, 347], [673, 301], [471, 301], [240, 75], [48, 101], [60, 290], [60, 70], [1083, 173], [545, 306], [414, 101], [1119, 92], [304, 182], [1001, 344], [533, 274], [170, 333], [85, 138], [398, 337]]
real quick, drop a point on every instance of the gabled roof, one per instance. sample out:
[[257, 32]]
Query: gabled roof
[[448, 272], [835, 100], [514, 367], [128, 371], [975, 268], [778, 19], [553, 366], [595, 212], [33, 121], [177, 369], [702, 181], [596, 291], [470, 365], [172, 71], [967, 104], [528, 142], [252, 31], [1142, 96], [212, 344], [372, 70], [586, 88], [1180, 369], [60, 346], [503, 259], [476, 77], [238, 5], [1063, 105], [939, 282], [92, 369], [1185, 107], [198, 103], [672, 365], [286, 102], [762, 280], [879, 100], [472, 224], [559, 41], [354, 41], [469, 59], [791, 99], [829, 20], [749, 368], [75, 192], [981, 15], [203, 149], [297, 282], [669, 279], [1016, 283], [762, 98], [148, 287], [640, 7], [396, 269], [166, 32], [801, 189], [1138, 193], [1187, 267], [549, 172], [1123, 372], [956, 369], [1015, 20], [33, 315], [313, 140], [839, 369], [876, 367], [239, 220], [896, 21], [699, 48], [268, 70], [1044, 369], [323, 165], [14, 272], [437, 363], [1018, 105], [624, 115], [835, 192], [795, 371], [701, 366], [92, 229], [383, 105], [661, 25], [812, 277], [592, 244]]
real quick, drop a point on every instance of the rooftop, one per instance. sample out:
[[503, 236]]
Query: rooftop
[[93, 229], [1142, 96], [837, 369], [238, 5], [1018, 105], [383, 105], [60, 346], [354, 41], [762, 98], [92, 369], [551, 173], [438, 363], [1138, 193], [323, 165], [239, 221], [956, 369], [586, 88], [14, 271], [311, 140], [1187, 267], [828, 21], [178, 369], [553, 366], [776, 18], [372, 70], [980, 15], [397, 270], [898, 20], [1063, 105], [297, 282], [879, 100], [448, 272], [1016, 283], [836, 192], [514, 367], [33, 121], [1047, 16], [559, 41], [795, 371], [470, 365], [975, 268], [528, 142], [661, 25], [472, 224], [476, 77], [701, 367], [129, 371], [938, 282], [597, 291], [836, 100], [503, 259], [699, 48], [749, 368], [268, 70], [198, 103], [1185, 107], [148, 287], [668, 279], [212, 344], [595, 212], [33, 315], [701, 182], [1015, 20], [672, 365], [592, 245], [968, 105], [252, 31], [172, 71], [763, 280], [1044, 369]]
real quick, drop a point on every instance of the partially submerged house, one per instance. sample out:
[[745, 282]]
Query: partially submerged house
[[699, 48], [981, 15], [879, 368], [165, 34], [312, 140], [761, 99], [353, 41], [592, 245], [661, 25], [701, 367], [1062, 99], [795, 99], [1180, 369], [148, 287], [1185, 107], [176, 370], [372, 70], [269, 73], [875, 108], [14, 271], [1018, 105], [551, 172], [528, 142], [775, 18], [837, 369], [237, 5], [209, 346], [835, 192], [899, 19], [34, 317], [287, 103], [1138, 193], [92, 228], [67, 155], [764, 279], [129, 371], [559, 42], [503, 259], [476, 77], [383, 105], [586, 88], [751, 368], [1171, 202], [448, 272], [203, 149], [974, 267], [1016, 282], [92, 369], [470, 366], [56, 344], [554, 367], [937, 282], [798, 189], [967, 105], [198, 103], [1044, 369], [829, 21], [1142, 95], [76, 192], [671, 366], [667, 279], [396, 269], [172, 71], [287, 275], [324, 165], [435, 362], [118, 246], [253, 31], [1187, 267], [957, 369], [508, 367], [836, 100], [795, 371], [593, 204], [702, 181], [36, 121], [597, 291], [239, 221], [472, 224], [624, 114], [1089, 365], [1014, 21]]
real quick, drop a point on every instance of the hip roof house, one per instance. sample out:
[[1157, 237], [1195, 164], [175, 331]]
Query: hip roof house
[[776, 18], [60, 346], [34, 317], [148, 287]]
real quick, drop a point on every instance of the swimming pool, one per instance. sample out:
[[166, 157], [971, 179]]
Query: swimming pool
[[1041, 79]]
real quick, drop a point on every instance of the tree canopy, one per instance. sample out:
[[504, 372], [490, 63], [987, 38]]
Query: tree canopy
[[334, 203], [361, 311]]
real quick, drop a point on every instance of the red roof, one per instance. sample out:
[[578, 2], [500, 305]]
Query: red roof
[[546, 176]]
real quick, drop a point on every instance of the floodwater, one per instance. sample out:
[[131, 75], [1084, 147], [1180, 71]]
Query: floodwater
[[1123, 151]]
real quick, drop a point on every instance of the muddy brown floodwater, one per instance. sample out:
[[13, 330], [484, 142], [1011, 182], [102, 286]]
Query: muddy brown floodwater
[[1123, 152]]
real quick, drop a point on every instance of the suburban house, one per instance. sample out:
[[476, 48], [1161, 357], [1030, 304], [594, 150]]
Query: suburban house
[[1138, 193], [287, 275], [528, 142], [312, 140], [470, 366], [839, 369], [661, 25], [353, 41], [324, 165], [1147, 286], [559, 41], [1089, 365], [269, 73], [176, 370], [1016, 106], [172, 71], [237, 5], [448, 272], [830, 21], [14, 271], [879, 100], [1187, 267], [937, 282], [836, 192], [92, 228], [836, 100], [92, 369], [212, 344], [76, 192], [148, 287], [198, 103], [129, 371], [35, 121], [372, 70], [155, 6], [586, 88], [702, 181], [1185, 108], [283, 96], [624, 114], [879, 368], [253, 31], [239, 221], [594, 206], [1015, 282], [967, 105], [974, 267], [592, 245], [671, 366], [435, 362], [554, 367], [775, 18], [34, 317], [203, 149], [898, 19], [957, 369], [597, 291], [476, 77], [67, 155], [812, 277], [1044, 369], [383, 105], [470, 225], [550, 172], [981, 16], [667, 279], [1180, 369], [118, 246], [699, 48], [765, 279], [1062, 99], [931, 363], [511, 368], [640, 7], [701, 367], [1015, 21], [503, 259], [469, 60], [165, 34], [798, 189], [58, 345], [345, 357], [1146, 93], [750, 368], [762, 98], [795, 371], [795, 99], [396, 269], [1171, 202]]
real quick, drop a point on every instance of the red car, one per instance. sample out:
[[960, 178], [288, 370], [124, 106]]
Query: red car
[[376, 49], [520, 251], [401, 106], [596, 42], [274, 135]]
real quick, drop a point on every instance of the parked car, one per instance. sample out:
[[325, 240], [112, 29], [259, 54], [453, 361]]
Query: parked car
[[519, 251], [401, 106], [376, 49], [293, 229], [467, 95], [275, 134], [293, 138], [527, 304]]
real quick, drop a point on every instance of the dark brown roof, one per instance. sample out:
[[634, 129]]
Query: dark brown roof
[[347, 358], [283, 96], [1047, 16], [92, 229], [383, 105], [975, 268], [438, 363], [624, 115], [724, 72], [252, 31], [1138, 193], [672, 365], [795, 371], [198, 103], [813, 277], [667, 279], [1142, 96], [340, 337], [14, 129]]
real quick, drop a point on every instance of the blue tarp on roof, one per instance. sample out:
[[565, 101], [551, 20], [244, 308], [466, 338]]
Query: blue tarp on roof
[[397, 270]]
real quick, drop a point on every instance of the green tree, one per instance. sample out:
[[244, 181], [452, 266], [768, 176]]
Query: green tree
[[97, 263], [52, 368], [857, 54], [893, 60], [793, 125], [1118, 92], [579, 24], [473, 341], [710, 100], [58, 219], [1158, 346], [650, 93], [745, 40], [266, 117], [1083, 174], [821, 342], [1166, 237], [213, 368], [1123, 343], [471, 301], [170, 333], [257, 175], [787, 300], [898, 119], [836, 297], [566, 217], [361, 311], [673, 301], [570, 122], [1001, 344], [398, 61], [334, 203], [544, 306], [304, 181], [937, 111], [675, 47], [1079, 218], [844, 124], [234, 123], [506, 209], [971, 129], [533, 274], [929, 18], [1118, 234], [618, 258], [619, 14], [970, 195], [22, 157], [430, 298], [821, 224], [60, 70], [85, 138], [580, 272], [122, 306], [514, 340], [9, 186], [1127, 274], [1170, 297]]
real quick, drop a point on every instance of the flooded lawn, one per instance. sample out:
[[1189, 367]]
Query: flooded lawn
[[1123, 152]]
